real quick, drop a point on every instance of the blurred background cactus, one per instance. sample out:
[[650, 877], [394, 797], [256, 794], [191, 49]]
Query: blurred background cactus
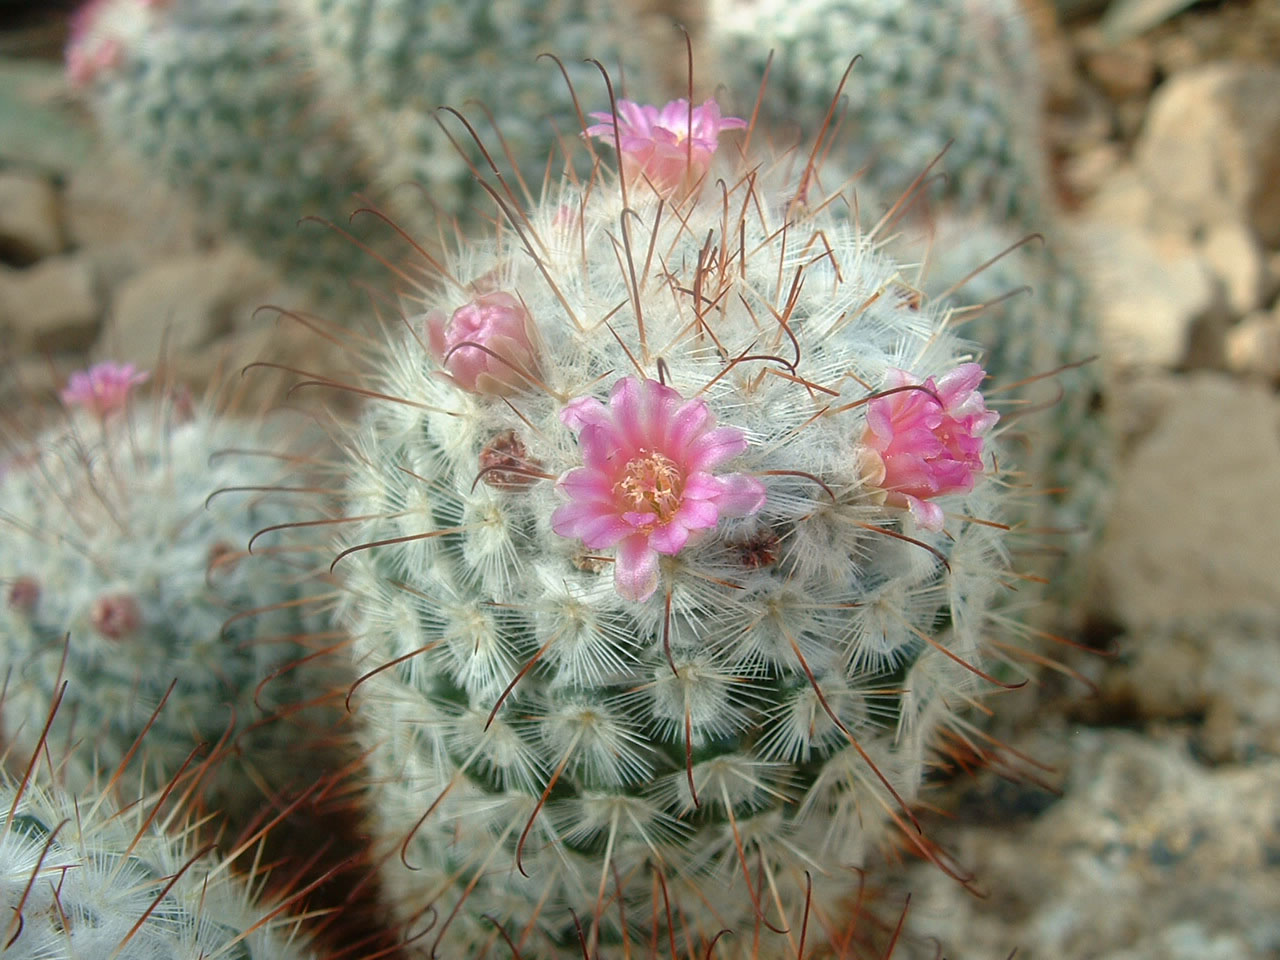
[[126, 574]]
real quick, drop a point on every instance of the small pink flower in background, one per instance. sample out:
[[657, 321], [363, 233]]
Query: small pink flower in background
[[929, 447], [662, 144], [96, 32], [103, 388], [486, 345], [646, 484]]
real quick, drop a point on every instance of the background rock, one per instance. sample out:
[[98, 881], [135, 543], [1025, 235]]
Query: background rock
[[1211, 146], [29, 218]]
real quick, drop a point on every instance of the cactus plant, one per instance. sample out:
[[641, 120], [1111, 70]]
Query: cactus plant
[[395, 63], [959, 76], [675, 539], [83, 877], [121, 581], [215, 99]]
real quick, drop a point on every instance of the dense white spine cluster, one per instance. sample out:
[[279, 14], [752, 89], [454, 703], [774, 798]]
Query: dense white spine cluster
[[124, 566], [84, 878], [563, 759]]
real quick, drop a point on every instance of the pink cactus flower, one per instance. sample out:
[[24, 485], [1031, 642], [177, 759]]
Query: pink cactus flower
[[671, 147], [647, 484], [103, 388], [927, 447], [486, 346], [96, 29]]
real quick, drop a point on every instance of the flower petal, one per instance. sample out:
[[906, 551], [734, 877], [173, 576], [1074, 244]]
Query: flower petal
[[714, 447], [635, 570], [740, 494], [669, 538]]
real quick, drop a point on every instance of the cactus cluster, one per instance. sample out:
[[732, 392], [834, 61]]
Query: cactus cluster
[[122, 578], [84, 877], [681, 538], [678, 526]]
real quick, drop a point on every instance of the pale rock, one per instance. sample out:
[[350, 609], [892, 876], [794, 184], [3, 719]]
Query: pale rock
[[181, 304], [122, 221], [1086, 172], [1211, 146], [1156, 298], [1192, 530], [1253, 346], [1236, 259], [1126, 199], [1123, 72], [50, 306], [1271, 283], [1149, 855], [29, 227]]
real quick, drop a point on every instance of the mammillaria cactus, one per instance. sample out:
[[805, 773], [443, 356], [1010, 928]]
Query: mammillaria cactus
[[215, 99], [395, 63], [83, 877], [677, 532], [950, 88], [123, 578]]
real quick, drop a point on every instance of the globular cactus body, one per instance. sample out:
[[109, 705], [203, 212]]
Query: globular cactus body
[[121, 580], [656, 606], [395, 63]]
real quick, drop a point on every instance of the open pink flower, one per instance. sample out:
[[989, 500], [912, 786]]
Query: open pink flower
[[671, 146], [486, 345], [103, 388], [647, 485], [928, 447]]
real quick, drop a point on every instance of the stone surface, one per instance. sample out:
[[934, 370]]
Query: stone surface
[[1211, 146], [181, 305], [1123, 72], [1253, 346], [122, 222], [1192, 531], [1152, 294], [1236, 259], [1148, 856], [29, 225], [50, 306]]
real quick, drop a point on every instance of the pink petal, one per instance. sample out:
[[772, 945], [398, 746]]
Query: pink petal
[[635, 570], [928, 515], [740, 495], [582, 484], [959, 381], [582, 411], [586, 522], [715, 447], [690, 418], [698, 514], [669, 538]]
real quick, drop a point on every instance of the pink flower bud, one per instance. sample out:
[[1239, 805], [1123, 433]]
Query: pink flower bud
[[670, 147], [927, 442], [486, 346]]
